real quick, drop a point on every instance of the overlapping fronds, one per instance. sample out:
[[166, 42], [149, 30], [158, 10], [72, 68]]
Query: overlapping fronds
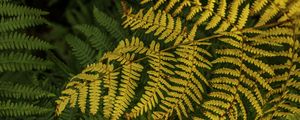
[[18, 54], [10, 92], [158, 84], [19, 17], [15, 17], [223, 63], [283, 99]]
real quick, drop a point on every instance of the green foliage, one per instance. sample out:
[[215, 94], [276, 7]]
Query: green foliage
[[21, 62], [111, 25], [19, 41], [17, 55], [97, 38], [20, 109], [81, 50], [18, 91], [15, 17]]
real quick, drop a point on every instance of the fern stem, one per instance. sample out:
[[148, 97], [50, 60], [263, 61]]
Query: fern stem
[[60, 64]]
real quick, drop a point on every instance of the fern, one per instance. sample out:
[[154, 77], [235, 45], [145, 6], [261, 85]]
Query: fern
[[21, 62], [16, 10], [18, 18], [19, 22], [17, 54], [81, 50], [216, 60], [20, 91], [97, 38], [20, 41], [20, 109], [111, 25]]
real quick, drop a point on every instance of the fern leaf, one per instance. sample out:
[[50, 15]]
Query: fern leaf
[[111, 83], [135, 45], [95, 92], [243, 17], [95, 36], [269, 13], [258, 5], [21, 41], [251, 97], [22, 62], [73, 96], [111, 25], [10, 9], [61, 104], [241, 106], [82, 98], [21, 109], [19, 22], [83, 52], [158, 84], [21, 91], [156, 22], [218, 17], [131, 74]]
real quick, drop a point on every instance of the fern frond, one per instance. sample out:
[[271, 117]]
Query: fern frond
[[258, 5], [73, 96], [82, 98], [191, 88], [246, 82], [243, 17], [253, 100], [22, 62], [21, 109], [135, 45], [111, 83], [217, 18], [19, 22], [94, 93], [163, 24], [17, 91], [160, 70], [111, 25], [10, 9], [61, 104], [16, 41], [83, 52], [269, 13], [95, 36], [130, 74]]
